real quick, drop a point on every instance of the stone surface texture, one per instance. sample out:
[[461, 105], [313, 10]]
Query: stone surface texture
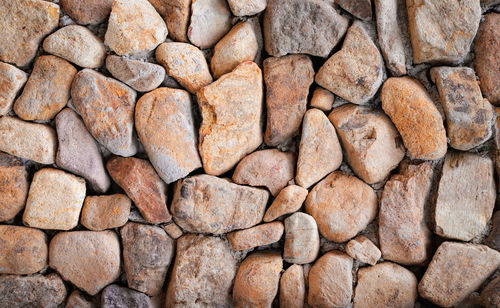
[[176, 15], [292, 287], [139, 75], [22, 251], [210, 20], [322, 99], [115, 296], [14, 186], [362, 9], [301, 239], [12, 80], [363, 250], [289, 200], [87, 11], [247, 7], [487, 57], [105, 212], [32, 291], [259, 235]]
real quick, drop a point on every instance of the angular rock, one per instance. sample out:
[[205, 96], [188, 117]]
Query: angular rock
[[105, 212], [362, 9], [493, 239], [12, 80], [87, 11], [114, 296], [32, 291], [487, 57], [22, 250], [247, 7], [322, 99], [490, 296], [13, 186], [293, 287], [173, 230], [141, 76], [289, 200], [210, 20], [363, 250], [301, 239], [176, 14], [259, 235], [78, 300]]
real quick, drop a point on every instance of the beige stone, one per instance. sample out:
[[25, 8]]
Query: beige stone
[[23, 250], [301, 239], [176, 14], [12, 80], [293, 287], [105, 212], [322, 99], [87, 11], [13, 186], [210, 20], [259, 235], [140, 76], [247, 7], [289, 200], [363, 250], [487, 57], [32, 291]]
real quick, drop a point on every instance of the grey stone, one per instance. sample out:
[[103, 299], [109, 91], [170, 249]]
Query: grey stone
[[141, 76], [115, 296], [32, 291]]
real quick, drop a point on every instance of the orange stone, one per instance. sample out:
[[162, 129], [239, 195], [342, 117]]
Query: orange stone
[[259, 235], [13, 186]]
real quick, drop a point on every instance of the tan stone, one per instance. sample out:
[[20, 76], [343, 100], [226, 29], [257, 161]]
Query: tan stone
[[87, 11], [176, 14], [12, 80], [22, 250], [490, 296], [259, 235], [289, 200], [247, 7], [32, 291], [13, 186], [105, 212], [293, 287], [210, 20], [322, 99], [139, 75], [487, 57], [301, 239], [362, 9], [363, 250], [173, 230]]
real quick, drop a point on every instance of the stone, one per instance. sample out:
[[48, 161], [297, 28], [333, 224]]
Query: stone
[[12, 80], [497, 141], [78, 300], [105, 212], [342, 206], [289, 200], [208, 204], [231, 108], [165, 125], [469, 117], [490, 296], [322, 99], [147, 253], [38, 144], [134, 28], [247, 7], [210, 21], [114, 296], [456, 270], [256, 283], [493, 239], [270, 168], [186, 64], [487, 57], [301, 239], [363, 250], [55, 200], [302, 26], [319, 150], [88, 259], [140, 76], [259, 235], [415, 116], [330, 281], [32, 291], [362, 9], [385, 285], [47, 90], [176, 14], [13, 186], [107, 108], [22, 251], [78, 152], [23, 25], [87, 11], [173, 230], [442, 31], [293, 287], [355, 72], [76, 44], [203, 273], [142, 185], [465, 197]]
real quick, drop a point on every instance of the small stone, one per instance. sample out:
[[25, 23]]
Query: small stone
[[322, 99], [362, 9], [165, 125], [363, 250], [105, 212], [247, 7], [176, 14], [415, 116], [231, 108], [107, 108], [210, 21], [12, 80], [302, 26], [301, 239], [356, 71], [87, 11], [23, 250], [342, 205], [208, 204], [493, 239], [287, 81], [289, 200], [55, 200], [293, 287], [141, 184], [77, 300], [173, 230], [141, 76], [32, 291], [13, 186], [456, 270], [260, 235], [115, 296], [490, 296]]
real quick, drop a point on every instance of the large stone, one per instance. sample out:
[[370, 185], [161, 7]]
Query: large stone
[[301, 239], [87, 11], [490, 296], [289, 200], [363, 250], [32, 291], [293, 287], [114, 296], [176, 14], [105, 212], [259, 235], [493, 239], [22, 250], [210, 20], [13, 186], [139, 75], [12, 80]]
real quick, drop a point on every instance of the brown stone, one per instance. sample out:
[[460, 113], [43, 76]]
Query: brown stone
[[210, 20], [176, 14], [362, 9], [22, 250], [493, 239], [259, 235], [87, 11], [322, 99], [247, 7], [139, 75], [173, 230], [497, 142], [13, 186], [105, 212], [490, 296], [293, 287], [363, 250], [289, 200], [301, 239], [78, 300], [32, 291], [12, 80]]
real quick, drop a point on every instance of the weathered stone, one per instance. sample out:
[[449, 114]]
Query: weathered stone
[[247, 7], [207, 204], [362, 9], [115, 296], [415, 116], [210, 20], [141, 76], [105, 212], [259, 235], [490, 296], [12, 80], [32, 291], [173, 230], [87, 11], [293, 287], [342, 205], [22, 250], [363, 250], [301, 239], [493, 239], [78, 300], [322, 99], [13, 186], [231, 108], [165, 125], [176, 14], [289, 200]]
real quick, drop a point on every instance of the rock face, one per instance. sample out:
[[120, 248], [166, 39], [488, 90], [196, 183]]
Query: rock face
[[23, 250], [302, 26], [363, 250], [260, 235], [13, 186], [176, 14], [362, 9], [23, 25], [442, 30], [207, 204], [456, 270], [322, 99], [210, 20], [32, 291], [12, 80], [293, 287], [114, 296], [87, 11], [415, 116], [105, 212], [355, 72], [231, 108], [490, 296], [289, 200], [301, 239], [493, 239], [287, 86], [141, 76]]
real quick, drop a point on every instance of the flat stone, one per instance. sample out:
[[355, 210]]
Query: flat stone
[[301, 239], [356, 71], [107, 109], [415, 116], [168, 112], [12, 80], [493, 239], [342, 206], [55, 200], [78, 300], [140, 76], [322, 99], [23, 250], [456, 270], [114, 296], [490, 296], [363, 250], [247, 7], [13, 186], [23, 25], [173, 230], [302, 26], [105, 212], [141, 184], [176, 14], [293, 287], [87, 11], [210, 20], [487, 57], [289, 200], [231, 108], [259, 235], [362, 9], [32, 291], [208, 204]]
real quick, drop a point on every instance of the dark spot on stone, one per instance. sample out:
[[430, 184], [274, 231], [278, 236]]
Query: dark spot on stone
[[184, 192], [480, 116], [361, 81], [462, 108]]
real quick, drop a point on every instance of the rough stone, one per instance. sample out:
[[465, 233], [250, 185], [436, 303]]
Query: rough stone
[[210, 21], [12, 80], [247, 7], [173, 230], [114, 296], [22, 250], [322, 99], [141, 76], [289, 200], [105, 212], [78, 300], [13, 186], [490, 296], [32, 291], [87, 11], [493, 239], [176, 14], [362, 9], [293, 287], [363, 250], [259, 235], [301, 239]]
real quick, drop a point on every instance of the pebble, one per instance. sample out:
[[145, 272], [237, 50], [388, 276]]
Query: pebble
[[361, 9], [293, 287], [289, 200], [87, 11], [247, 7], [140, 76], [176, 15], [105, 212], [32, 291], [78, 300], [114, 296], [363, 250], [301, 239], [23, 250], [493, 239], [173, 230], [210, 21], [322, 99], [12, 80], [13, 186], [490, 296], [259, 235]]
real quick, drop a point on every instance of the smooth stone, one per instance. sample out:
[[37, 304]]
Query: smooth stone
[[105, 212], [259, 235], [14, 186], [322, 99], [247, 7], [114, 296], [32, 291], [176, 15], [363, 250], [87, 11], [12, 80], [289, 200], [292, 287], [140, 76], [210, 20], [301, 239], [23, 250]]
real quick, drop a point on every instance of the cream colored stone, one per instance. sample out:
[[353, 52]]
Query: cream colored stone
[[210, 20], [363, 250], [301, 239], [289, 200]]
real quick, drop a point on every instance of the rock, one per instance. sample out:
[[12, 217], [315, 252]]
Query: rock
[[456, 270], [301, 239], [293, 287], [469, 117], [442, 30], [134, 27], [490, 296], [256, 283], [76, 44], [322, 99], [176, 14], [342, 205], [173, 230], [141, 76], [186, 64], [23, 25], [210, 20], [363, 250], [12, 80], [362, 9], [356, 71], [203, 273], [114, 296], [55, 200], [289, 200], [107, 109], [88, 259], [141, 184], [105, 212], [147, 253], [385, 285], [302, 26], [493, 239], [231, 108], [77, 300], [32, 291], [87, 11], [330, 281], [259, 235], [415, 116], [165, 125], [497, 142], [22, 250], [370, 140], [13, 186], [247, 7], [207, 204]]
